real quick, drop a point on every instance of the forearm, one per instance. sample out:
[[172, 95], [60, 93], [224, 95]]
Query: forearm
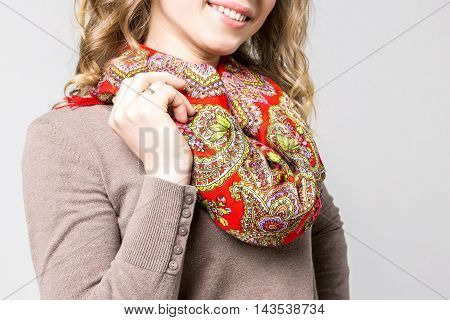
[[74, 232]]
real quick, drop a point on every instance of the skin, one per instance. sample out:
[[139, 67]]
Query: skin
[[194, 38]]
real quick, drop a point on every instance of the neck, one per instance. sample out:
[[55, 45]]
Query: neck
[[162, 37]]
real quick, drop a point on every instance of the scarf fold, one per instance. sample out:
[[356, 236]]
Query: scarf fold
[[256, 165]]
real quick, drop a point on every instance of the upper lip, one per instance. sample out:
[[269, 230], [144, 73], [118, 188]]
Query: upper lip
[[239, 8]]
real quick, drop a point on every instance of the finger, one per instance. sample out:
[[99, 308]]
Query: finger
[[169, 79], [155, 86], [169, 96], [132, 87], [179, 107], [190, 109], [155, 101], [166, 95], [127, 87]]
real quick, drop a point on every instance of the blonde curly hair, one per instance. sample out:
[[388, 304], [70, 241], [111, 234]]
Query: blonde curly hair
[[275, 50]]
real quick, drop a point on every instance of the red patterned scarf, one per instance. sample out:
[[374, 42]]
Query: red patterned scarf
[[256, 166]]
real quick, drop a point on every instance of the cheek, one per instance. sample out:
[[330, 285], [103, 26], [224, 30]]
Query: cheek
[[267, 6], [175, 9], [264, 10]]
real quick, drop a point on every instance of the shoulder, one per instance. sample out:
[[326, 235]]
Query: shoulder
[[81, 121], [79, 142], [81, 132], [66, 134], [77, 130]]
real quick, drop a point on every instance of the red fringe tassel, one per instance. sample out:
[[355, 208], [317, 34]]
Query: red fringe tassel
[[80, 101]]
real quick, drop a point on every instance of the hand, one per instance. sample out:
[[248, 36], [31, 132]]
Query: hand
[[141, 119]]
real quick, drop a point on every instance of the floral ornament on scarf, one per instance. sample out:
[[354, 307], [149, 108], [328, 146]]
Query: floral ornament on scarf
[[256, 166]]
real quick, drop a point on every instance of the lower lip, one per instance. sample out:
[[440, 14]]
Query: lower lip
[[230, 22]]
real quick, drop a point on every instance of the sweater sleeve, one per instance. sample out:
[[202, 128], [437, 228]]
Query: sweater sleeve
[[329, 249], [73, 229]]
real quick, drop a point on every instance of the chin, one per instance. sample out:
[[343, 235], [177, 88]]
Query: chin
[[223, 47]]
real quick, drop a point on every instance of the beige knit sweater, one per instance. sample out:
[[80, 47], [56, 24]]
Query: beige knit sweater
[[99, 228]]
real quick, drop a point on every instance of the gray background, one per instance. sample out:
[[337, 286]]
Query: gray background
[[382, 70]]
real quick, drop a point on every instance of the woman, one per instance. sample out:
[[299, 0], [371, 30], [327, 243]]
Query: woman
[[115, 214]]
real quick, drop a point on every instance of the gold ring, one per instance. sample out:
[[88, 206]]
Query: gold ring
[[150, 90]]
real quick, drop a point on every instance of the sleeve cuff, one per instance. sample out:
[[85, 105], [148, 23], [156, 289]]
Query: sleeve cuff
[[156, 235]]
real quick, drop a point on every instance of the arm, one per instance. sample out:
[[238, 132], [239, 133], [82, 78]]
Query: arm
[[74, 236], [330, 252]]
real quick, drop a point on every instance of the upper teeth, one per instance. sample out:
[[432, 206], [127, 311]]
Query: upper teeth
[[230, 13]]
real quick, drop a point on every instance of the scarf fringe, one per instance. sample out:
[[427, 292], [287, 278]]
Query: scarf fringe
[[79, 101]]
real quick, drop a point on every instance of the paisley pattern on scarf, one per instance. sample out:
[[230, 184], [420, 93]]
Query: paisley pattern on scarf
[[256, 165]]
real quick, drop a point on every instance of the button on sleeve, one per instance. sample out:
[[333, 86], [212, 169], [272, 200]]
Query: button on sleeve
[[173, 265], [186, 213], [182, 231], [182, 235], [178, 249], [188, 199], [158, 225]]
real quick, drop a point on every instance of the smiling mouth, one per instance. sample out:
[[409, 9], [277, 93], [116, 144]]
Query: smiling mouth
[[232, 14]]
